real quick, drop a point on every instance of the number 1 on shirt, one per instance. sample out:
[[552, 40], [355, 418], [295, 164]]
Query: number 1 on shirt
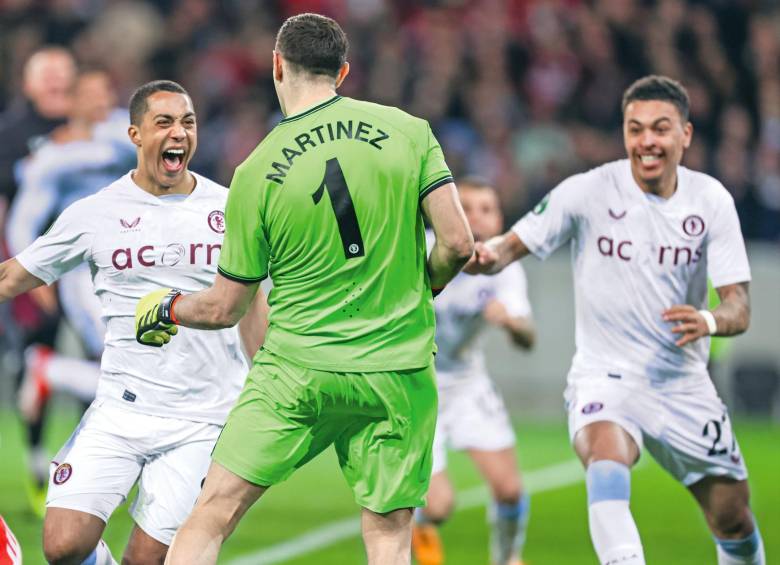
[[343, 208]]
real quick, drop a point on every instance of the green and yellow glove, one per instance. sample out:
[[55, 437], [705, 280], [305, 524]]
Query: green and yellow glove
[[154, 319]]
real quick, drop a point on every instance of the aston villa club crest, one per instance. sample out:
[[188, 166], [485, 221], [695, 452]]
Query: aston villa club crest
[[217, 221], [693, 225], [62, 473]]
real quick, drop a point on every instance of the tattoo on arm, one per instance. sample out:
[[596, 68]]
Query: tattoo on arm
[[733, 313]]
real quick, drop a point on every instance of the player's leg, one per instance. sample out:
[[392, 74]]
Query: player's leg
[[387, 536], [37, 344], [608, 443], [259, 446], [439, 502], [509, 513], [225, 499], [94, 472], [70, 536], [484, 429], [169, 485], [697, 446], [385, 455], [427, 548], [726, 506], [143, 549]]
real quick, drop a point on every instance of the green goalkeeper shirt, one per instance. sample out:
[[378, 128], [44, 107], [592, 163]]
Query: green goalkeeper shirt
[[329, 205]]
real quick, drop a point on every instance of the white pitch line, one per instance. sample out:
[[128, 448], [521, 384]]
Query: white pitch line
[[538, 480]]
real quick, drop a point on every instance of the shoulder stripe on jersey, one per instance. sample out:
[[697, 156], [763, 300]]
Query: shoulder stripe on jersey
[[434, 185], [239, 278], [311, 110]]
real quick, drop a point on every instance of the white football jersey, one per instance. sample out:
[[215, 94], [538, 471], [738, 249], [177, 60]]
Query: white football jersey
[[135, 243], [459, 318], [635, 255]]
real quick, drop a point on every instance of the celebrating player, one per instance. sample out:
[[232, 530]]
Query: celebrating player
[[472, 415], [330, 205], [645, 233], [83, 156], [157, 415]]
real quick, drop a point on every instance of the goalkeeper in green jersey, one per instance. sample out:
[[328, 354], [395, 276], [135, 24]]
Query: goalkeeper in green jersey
[[331, 205]]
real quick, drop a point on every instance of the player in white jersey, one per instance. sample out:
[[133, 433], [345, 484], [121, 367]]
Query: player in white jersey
[[471, 413], [83, 156], [156, 416], [644, 233]]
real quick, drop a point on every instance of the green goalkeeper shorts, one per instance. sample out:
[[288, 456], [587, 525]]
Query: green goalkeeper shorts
[[381, 424]]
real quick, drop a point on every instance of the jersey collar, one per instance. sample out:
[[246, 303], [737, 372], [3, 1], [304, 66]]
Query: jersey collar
[[311, 110]]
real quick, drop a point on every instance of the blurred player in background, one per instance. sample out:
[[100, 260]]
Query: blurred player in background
[[47, 88], [645, 233], [81, 157], [472, 415], [156, 416], [10, 550], [331, 204]]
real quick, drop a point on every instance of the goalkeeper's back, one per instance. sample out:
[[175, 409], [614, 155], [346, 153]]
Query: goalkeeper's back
[[329, 205]]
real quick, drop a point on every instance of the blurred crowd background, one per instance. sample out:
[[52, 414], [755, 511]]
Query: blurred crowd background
[[523, 92]]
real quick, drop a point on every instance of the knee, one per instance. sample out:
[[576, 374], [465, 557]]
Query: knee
[[438, 510], [62, 549], [134, 558], [508, 491], [732, 523]]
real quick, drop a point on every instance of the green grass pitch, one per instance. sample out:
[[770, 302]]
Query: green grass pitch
[[671, 526]]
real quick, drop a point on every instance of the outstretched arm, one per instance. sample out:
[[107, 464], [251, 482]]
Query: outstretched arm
[[15, 280], [495, 254], [454, 242], [731, 316], [220, 306]]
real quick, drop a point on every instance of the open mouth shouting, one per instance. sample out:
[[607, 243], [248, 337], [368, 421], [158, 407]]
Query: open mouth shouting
[[173, 159]]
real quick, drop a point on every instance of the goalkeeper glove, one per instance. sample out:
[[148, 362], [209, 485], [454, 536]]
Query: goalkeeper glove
[[155, 323]]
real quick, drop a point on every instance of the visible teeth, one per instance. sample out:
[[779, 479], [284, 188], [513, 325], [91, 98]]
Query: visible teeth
[[175, 151], [647, 159]]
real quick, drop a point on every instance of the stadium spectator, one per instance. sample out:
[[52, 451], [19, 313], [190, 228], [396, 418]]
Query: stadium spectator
[[485, 73]]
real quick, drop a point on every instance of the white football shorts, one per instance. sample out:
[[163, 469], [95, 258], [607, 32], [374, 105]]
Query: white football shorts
[[684, 425], [471, 415], [113, 447]]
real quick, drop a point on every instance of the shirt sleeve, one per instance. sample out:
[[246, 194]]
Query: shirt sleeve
[[64, 246], [552, 222], [244, 254], [727, 261], [434, 172], [512, 291]]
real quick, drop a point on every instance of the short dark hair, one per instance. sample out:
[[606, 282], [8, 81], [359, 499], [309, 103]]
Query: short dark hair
[[138, 105], [315, 44], [656, 87]]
